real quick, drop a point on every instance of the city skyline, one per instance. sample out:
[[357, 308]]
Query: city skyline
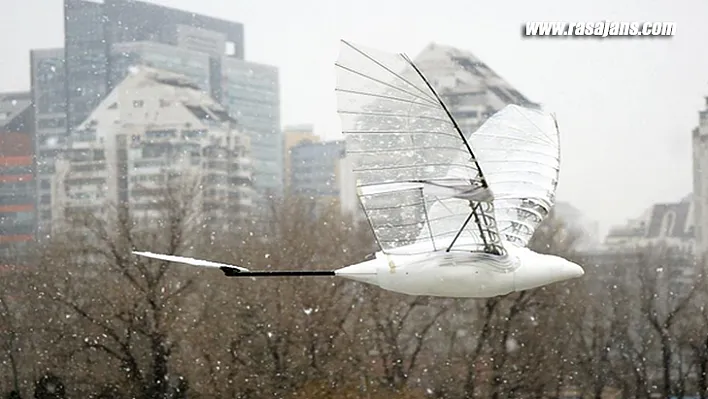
[[103, 40], [630, 103]]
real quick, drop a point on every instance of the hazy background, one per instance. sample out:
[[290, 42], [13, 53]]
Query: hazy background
[[626, 106]]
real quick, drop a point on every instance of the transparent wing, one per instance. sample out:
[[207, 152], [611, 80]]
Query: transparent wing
[[408, 154], [519, 150]]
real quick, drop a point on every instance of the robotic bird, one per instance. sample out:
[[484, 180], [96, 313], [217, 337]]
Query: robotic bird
[[452, 212]]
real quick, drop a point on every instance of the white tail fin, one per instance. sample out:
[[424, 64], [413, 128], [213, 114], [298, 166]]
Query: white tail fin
[[188, 261]]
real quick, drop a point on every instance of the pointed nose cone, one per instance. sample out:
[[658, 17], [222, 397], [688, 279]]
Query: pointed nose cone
[[568, 270], [538, 275], [365, 272], [577, 271]]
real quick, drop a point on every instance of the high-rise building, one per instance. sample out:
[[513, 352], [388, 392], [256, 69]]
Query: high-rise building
[[321, 171], [700, 181], [470, 88], [85, 55], [91, 29], [103, 39], [132, 20], [17, 185], [47, 80], [195, 65], [249, 91], [292, 136], [153, 128], [50, 131]]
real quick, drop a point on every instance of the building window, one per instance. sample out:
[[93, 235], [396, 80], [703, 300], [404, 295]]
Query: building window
[[230, 49], [52, 123], [138, 103]]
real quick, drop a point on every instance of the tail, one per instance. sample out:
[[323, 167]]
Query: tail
[[233, 270]]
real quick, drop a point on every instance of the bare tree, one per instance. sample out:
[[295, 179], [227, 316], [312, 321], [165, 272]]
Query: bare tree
[[485, 335], [157, 330], [595, 323], [9, 337], [539, 324], [351, 390], [16, 320], [130, 313], [662, 306], [397, 331], [278, 334], [692, 329]]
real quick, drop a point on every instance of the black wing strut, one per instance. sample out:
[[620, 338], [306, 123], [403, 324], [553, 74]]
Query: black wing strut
[[487, 241]]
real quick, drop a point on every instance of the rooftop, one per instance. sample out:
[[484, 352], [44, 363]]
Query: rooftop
[[662, 220], [468, 72], [154, 97]]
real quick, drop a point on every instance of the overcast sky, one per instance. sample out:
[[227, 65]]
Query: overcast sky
[[626, 107]]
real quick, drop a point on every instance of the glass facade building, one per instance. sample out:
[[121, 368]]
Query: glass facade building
[[47, 76], [314, 168], [86, 59], [48, 96], [192, 64], [251, 93]]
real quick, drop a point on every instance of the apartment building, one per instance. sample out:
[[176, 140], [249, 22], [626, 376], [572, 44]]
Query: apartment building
[[154, 132]]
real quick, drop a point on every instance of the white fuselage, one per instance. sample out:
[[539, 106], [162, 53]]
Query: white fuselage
[[462, 274]]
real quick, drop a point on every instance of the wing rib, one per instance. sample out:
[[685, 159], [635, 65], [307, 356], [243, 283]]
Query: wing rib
[[387, 69]]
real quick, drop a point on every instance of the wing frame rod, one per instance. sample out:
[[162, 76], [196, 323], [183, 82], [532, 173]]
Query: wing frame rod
[[232, 272], [427, 219], [481, 176], [459, 232], [449, 115]]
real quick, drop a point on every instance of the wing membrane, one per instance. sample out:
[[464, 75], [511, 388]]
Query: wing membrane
[[519, 149], [397, 217], [398, 131]]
